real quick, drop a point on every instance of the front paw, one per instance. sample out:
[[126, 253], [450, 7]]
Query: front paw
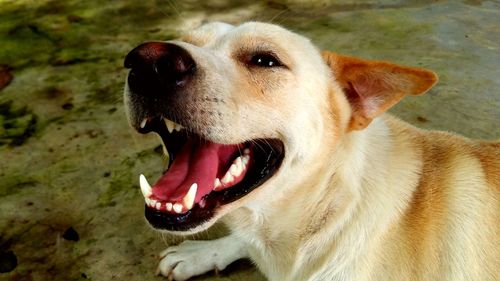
[[192, 258]]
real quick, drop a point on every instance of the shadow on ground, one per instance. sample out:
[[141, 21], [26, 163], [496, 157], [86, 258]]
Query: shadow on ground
[[70, 208]]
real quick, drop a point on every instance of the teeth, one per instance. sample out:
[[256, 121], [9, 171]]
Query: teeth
[[227, 178], [144, 122], [237, 167], [239, 164], [246, 151], [177, 208], [152, 203], [189, 198], [217, 183], [235, 170], [245, 159], [170, 125], [145, 187]]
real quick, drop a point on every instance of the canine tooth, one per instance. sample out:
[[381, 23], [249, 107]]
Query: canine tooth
[[148, 201], [246, 151], [168, 206], [144, 122], [189, 198], [177, 208], [227, 178], [158, 206], [178, 127], [170, 125], [217, 183], [145, 187]]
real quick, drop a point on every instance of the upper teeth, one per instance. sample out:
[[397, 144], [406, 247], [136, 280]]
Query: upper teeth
[[235, 170], [245, 159], [144, 122], [227, 178], [171, 125], [217, 183]]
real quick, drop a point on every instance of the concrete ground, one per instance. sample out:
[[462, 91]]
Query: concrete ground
[[70, 206]]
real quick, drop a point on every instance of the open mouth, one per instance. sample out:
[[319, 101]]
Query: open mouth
[[203, 175]]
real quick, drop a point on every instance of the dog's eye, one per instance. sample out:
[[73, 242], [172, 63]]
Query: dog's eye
[[265, 60]]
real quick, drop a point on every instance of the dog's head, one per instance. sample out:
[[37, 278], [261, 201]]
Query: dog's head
[[242, 109]]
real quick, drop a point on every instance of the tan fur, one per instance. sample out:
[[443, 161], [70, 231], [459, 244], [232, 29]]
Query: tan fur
[[360, 195]]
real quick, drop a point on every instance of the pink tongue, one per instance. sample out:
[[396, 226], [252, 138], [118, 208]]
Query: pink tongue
[[195, 163]]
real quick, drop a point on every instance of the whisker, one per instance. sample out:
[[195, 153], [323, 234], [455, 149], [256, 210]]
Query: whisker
[[258, 144], [277, 15], [270, 146], [172, 4]]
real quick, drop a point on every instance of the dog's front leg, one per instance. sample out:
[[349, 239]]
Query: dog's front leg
[[191, 258]]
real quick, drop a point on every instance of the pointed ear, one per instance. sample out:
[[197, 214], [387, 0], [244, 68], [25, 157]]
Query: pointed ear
[[372, 87]]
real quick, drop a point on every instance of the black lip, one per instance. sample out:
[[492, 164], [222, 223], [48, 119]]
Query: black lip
[[268, 155]]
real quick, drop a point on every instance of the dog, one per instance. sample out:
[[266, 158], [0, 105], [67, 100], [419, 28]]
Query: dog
[[292, 149]]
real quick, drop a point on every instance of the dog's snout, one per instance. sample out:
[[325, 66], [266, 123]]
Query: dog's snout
[[156, 66]]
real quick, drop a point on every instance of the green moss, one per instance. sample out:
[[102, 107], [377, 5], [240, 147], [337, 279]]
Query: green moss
[[333, 24], [14, 183], [21, 47], [108, 198], [106, 95], [37, 34], [16, 125]]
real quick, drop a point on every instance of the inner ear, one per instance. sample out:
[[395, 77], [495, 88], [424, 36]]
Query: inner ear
[[372, 87]]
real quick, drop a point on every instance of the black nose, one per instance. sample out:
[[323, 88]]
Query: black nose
[[157, 67]]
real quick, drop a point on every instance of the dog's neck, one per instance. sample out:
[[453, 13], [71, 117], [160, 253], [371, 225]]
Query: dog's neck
[[326, 198]]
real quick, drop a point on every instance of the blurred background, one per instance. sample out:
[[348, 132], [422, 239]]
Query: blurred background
[[70, 205]]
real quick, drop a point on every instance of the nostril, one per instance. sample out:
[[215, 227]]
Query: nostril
[[163, 66], [173, 66], [127, 63]]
